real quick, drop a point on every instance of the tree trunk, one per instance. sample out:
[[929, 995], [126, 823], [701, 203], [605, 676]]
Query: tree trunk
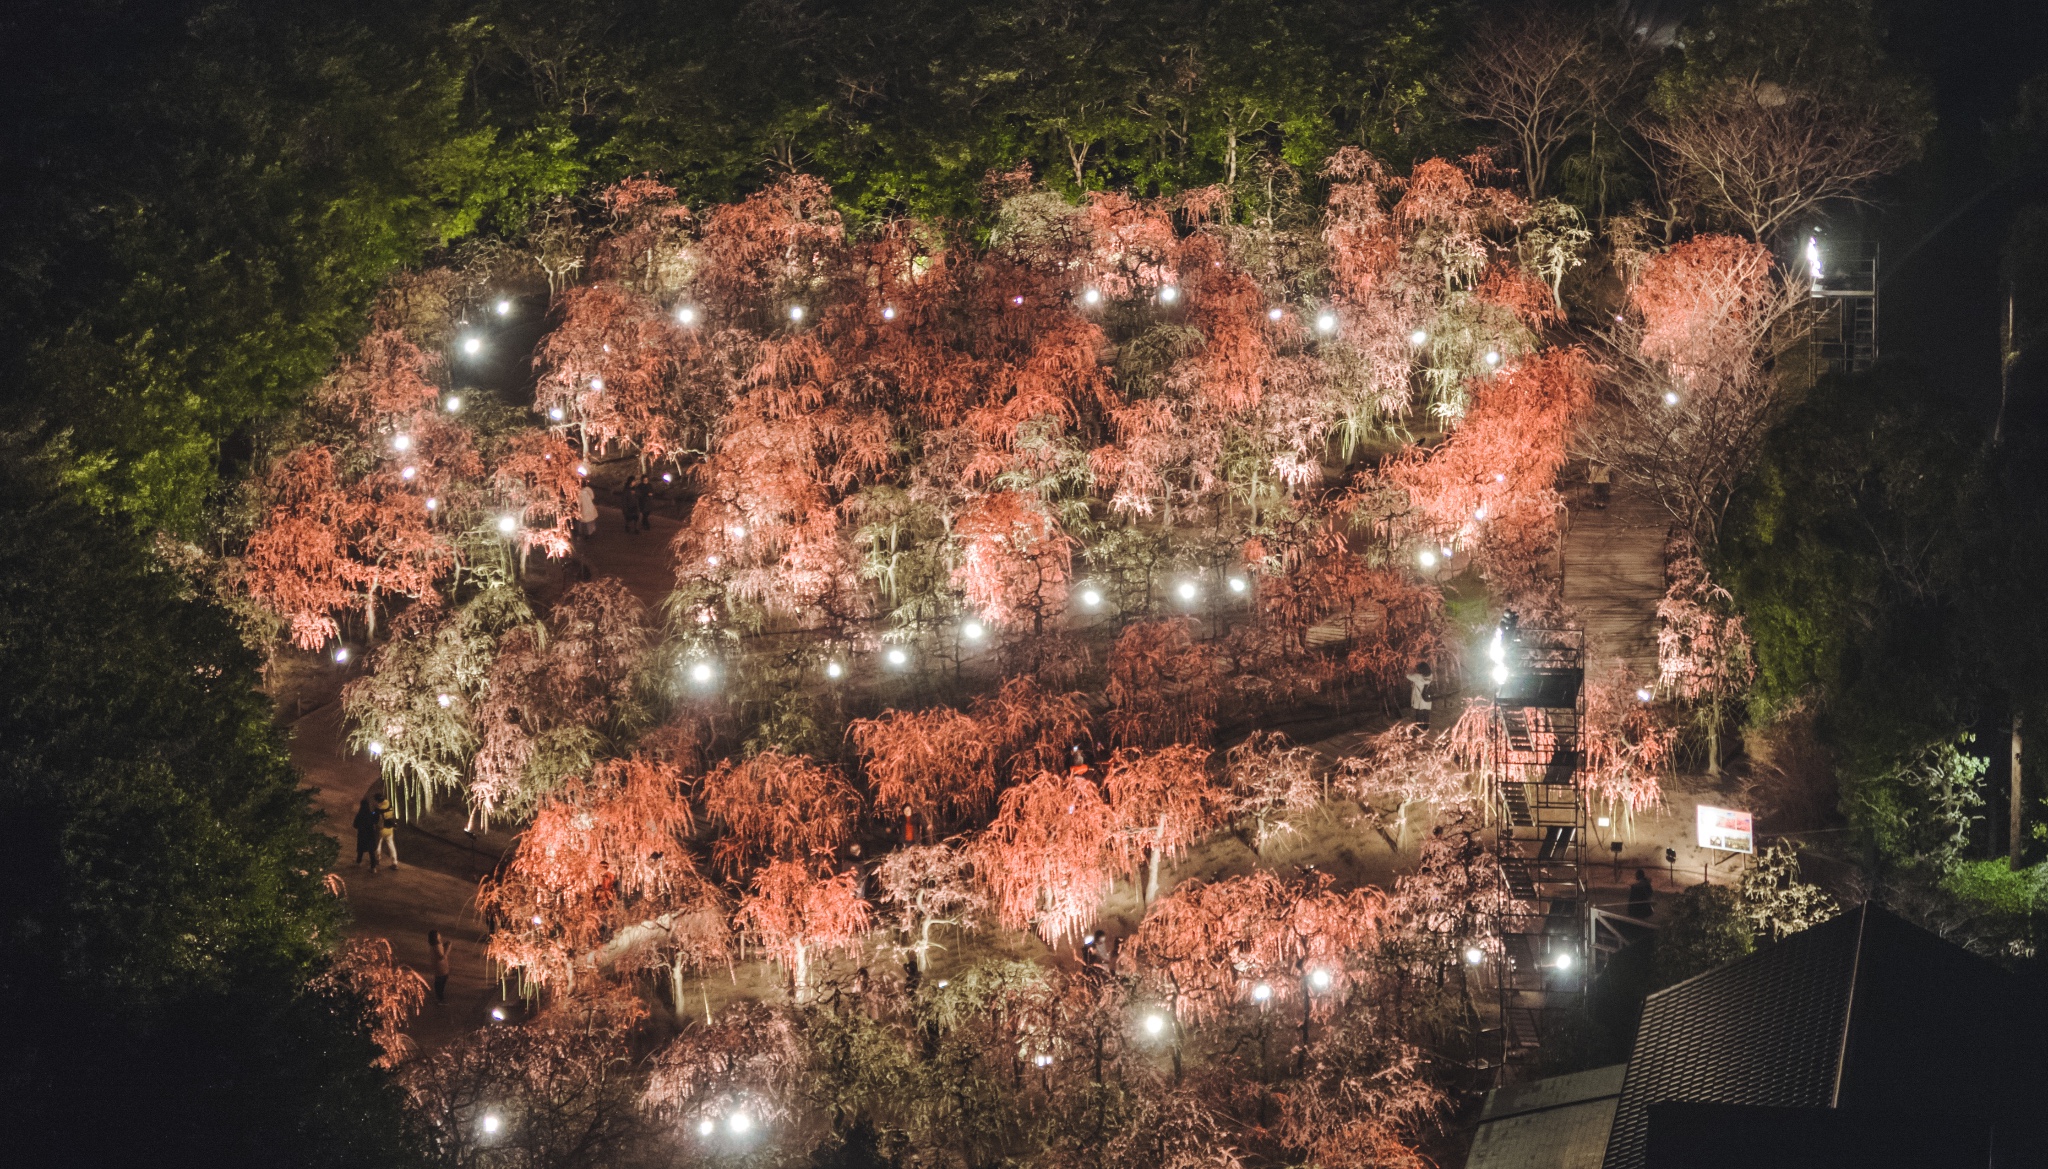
[[2013, 836]]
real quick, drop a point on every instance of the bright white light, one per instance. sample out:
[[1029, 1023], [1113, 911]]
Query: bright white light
[[376, 748], [712, 561], [401, 442], [888, 313], [700, 673], [504, 308], [472, 345], [1326, 322], [1320, 979], [454, 403], [536, 919], [898, 658], [1564, 961], [705, 1126], [1474, 955], [1479, 513], [597, 383], [1500, 675], [1017, 300], [833, 670], [445, 700], [582, 470], [1091, 296], [739, 1122], [1492, 358], [942, 984], [341, 654], [667, 478], [508, 524], [1643, 694], [1091, 598], [432, 503], [491, 1123], [1417, 337], [972, 631], [1497, 649], [1427, 558], [1446, 553], [1154, 1024], [1498, 477], [1671, 397], [1261, 993], [1237, 584], [1169, 294], [1813, 256], [1605, 822], [1274, 314], [686, 315], [1042, 1060], [1187, 590], [407, 473], [738, 532], [796, 312], [498, 1013], [554, 413]]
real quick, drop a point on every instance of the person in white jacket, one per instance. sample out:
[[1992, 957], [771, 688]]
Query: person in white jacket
[[586, 512]]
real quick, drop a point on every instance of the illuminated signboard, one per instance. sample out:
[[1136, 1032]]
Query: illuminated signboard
[[1725, 829]]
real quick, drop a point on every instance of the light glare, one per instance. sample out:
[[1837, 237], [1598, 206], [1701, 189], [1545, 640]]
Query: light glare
[[1169, 294], [454, 403], [472, 345], [972, 631], [1474, 955], [1326, 322], [508, 524], [1154, 1024], [504, 308]]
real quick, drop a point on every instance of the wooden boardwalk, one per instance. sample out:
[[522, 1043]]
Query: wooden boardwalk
[[1614, 577]]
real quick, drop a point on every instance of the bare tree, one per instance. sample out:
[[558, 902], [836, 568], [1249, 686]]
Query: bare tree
[[1690, 390], [1764, 155], [1544, 76]]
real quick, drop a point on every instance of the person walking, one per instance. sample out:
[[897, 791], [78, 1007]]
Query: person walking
[[387, 832], [586, 511], [366, 834], [437, 952], [1640, 902], [1418, 692], [629, 503], [1602, 479]]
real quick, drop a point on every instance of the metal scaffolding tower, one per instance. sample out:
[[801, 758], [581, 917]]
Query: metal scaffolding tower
[[1538, 678]]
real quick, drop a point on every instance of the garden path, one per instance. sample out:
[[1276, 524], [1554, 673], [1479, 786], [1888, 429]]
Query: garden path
[[1614, 577]]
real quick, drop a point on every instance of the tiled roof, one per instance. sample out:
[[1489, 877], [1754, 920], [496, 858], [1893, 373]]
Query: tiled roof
[[1762, 1030], [1556, 1123], [1865, 1012]]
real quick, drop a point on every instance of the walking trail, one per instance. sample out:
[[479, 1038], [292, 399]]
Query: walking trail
[[1614, 577]]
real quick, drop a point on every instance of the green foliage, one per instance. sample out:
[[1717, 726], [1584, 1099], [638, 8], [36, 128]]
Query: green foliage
[[164, 907], [1919, 809], [1776, 901], [218, 192], [1706, 926]]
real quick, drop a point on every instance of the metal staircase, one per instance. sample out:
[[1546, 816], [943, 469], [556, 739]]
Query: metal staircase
[[1534, 760]]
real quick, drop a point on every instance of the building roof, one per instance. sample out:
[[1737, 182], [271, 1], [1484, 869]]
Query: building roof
[[1865, 1012], [1556, 1123]]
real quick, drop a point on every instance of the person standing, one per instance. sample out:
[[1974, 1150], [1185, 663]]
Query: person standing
[[629, 503], [1602, 479], [1418, 692], [437, 951], [586, 511], [387, 832], [366, 823], [643, 501], [1641, 904]]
